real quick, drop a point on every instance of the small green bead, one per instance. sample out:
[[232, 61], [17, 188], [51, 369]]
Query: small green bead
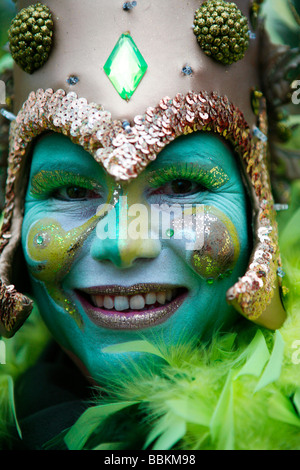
[[23, 28], [35, 29], [45, 31], [215, 30], [40, 240], [28, 36], [170, 233], [225, 30]]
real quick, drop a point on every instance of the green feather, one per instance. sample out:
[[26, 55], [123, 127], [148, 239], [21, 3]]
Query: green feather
[[89, 421], [281, 409], [297, 400], [273, 369], [134, 346]]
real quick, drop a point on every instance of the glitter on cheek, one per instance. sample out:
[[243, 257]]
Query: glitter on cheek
[[220, 251], [216, 243], [51, 252]]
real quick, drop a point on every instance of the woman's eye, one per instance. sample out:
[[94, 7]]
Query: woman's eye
[[180, 187], [75, 193]]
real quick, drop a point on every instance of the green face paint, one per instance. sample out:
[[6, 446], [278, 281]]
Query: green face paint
[[73, 269], [51, 251]]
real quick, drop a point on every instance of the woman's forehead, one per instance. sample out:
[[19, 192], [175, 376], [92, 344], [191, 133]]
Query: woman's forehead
[[55, 151]]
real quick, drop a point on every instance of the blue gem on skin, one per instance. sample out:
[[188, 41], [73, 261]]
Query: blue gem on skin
[[129, 5]]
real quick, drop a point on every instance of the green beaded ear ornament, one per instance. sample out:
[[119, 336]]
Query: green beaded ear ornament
[[222, 31], [30, 37]]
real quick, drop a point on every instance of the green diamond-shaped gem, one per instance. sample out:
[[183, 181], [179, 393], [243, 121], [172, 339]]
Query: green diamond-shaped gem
[[125, 66]]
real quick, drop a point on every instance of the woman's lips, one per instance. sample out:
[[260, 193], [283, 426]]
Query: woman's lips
[[127, 308]]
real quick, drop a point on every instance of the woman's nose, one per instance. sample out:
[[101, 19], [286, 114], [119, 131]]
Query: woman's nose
[[117, 241], [123, 253]]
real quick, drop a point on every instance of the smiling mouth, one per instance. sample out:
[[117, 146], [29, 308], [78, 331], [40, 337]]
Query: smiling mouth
[[127, 308]]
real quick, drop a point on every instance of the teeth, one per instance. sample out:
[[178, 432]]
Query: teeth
[[98, 300], [121, 303], [134, 302], [161, 298], [169, 295], [108, 302], [137, 302], [150, 298]]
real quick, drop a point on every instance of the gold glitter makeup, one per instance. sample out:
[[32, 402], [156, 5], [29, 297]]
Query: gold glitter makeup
[[214, 243], [221, 247], [51, 252]]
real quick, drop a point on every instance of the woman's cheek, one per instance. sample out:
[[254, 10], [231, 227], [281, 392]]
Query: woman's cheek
[[50, 252], [209, 241]]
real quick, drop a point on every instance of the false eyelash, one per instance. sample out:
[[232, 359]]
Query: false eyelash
[[212, 178], [45, 182]]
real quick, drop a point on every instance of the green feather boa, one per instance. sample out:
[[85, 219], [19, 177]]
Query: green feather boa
[[242, 391]]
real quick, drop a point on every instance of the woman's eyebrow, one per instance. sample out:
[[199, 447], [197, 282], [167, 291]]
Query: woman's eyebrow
[[203, 158], [63, 166], [201, 153], [54, 171]]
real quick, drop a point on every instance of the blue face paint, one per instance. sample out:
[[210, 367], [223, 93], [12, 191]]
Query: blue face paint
[[122, 287]]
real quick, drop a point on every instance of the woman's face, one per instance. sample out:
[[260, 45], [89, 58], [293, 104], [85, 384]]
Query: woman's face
[[151, 258]]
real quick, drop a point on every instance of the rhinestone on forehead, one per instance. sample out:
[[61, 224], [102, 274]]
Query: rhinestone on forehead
[[124, 153]]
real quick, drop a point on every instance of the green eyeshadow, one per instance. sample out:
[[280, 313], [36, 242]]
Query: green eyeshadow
[[211, 178], [45, 182]]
